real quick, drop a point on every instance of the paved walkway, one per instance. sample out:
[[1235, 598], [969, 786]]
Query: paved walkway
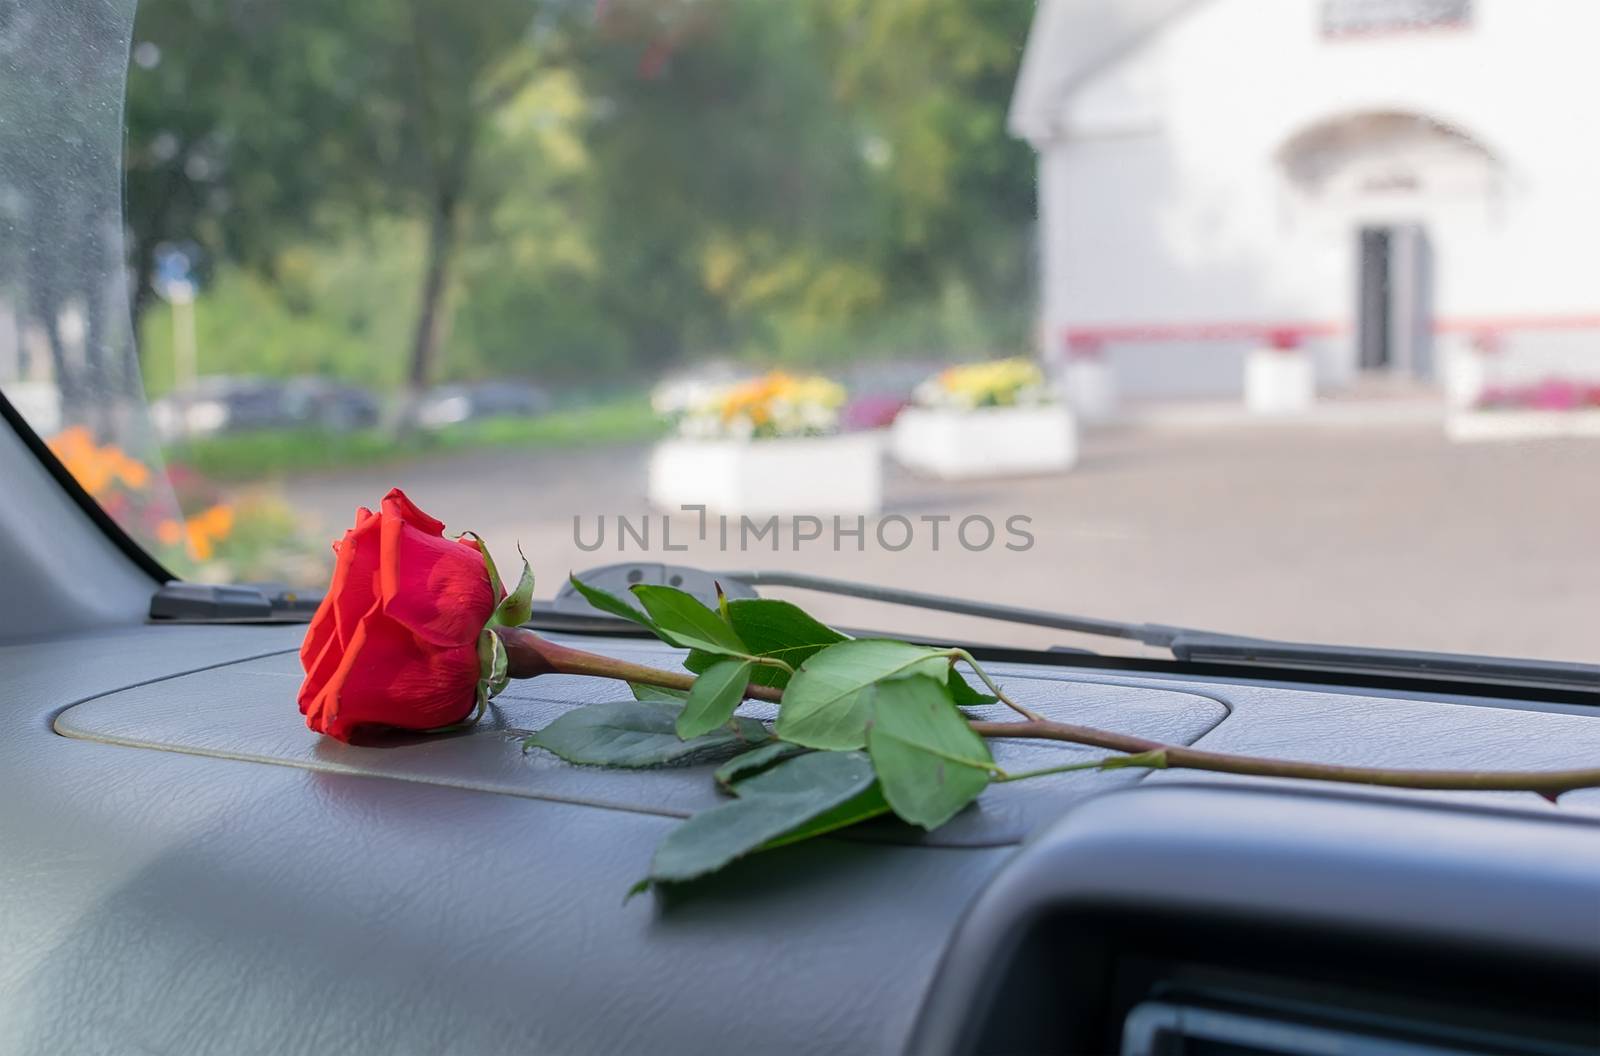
[[1378, 532]]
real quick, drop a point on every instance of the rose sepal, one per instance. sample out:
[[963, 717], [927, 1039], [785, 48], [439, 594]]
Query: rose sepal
[[492, 662], [516, 608]]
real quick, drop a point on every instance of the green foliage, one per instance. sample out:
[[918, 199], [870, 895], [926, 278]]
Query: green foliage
[[923, 762], [778, 630], [603, 193], [927, 758], [864, 805], [679, 619], [256, 455], [768, 806], [638, 733], [962, 693], [754, 761], [645, 692], [828, 704], [326, 308], [717, 691], [608, 602]]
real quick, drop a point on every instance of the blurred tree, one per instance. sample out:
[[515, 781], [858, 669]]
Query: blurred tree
[[593, 184], [726, 180], [246, 131], [443, 71], [253, 126], [928, 81], [773, 172]]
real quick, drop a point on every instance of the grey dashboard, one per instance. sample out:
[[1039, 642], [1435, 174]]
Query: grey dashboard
[[185, 868]]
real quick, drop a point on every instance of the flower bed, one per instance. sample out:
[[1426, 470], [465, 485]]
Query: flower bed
[[986, 419], [1551, 408], [765, 446]]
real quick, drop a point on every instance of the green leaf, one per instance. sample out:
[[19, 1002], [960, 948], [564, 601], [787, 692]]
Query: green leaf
[[638, 733], [713, 697], [642, 691], [772, 628], [754, 761], [516, 608], [605, 601], [772, 804], [962, 693], [825, 704], [867, 804], [927, 758], [680, 619]]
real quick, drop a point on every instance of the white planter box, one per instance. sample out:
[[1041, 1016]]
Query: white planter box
[[1089, 389], [1469, 426], [821, 475], [1466, 377], [987, 442], [1278, 381]]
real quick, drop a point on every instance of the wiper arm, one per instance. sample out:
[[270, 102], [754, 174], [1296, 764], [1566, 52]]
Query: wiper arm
[[1155, 634], [1200, 646]]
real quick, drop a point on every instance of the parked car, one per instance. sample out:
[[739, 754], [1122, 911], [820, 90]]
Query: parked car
[[453, 404], [330, 405], [228, 404]]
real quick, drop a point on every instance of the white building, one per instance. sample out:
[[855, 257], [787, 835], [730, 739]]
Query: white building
[[1384, 182]]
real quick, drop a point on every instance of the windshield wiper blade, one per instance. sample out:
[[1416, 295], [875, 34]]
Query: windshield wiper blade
[[271, 603], [1196, 645], [1362, 660]]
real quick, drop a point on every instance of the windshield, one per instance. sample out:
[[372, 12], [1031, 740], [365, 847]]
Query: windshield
[[1271, 317]]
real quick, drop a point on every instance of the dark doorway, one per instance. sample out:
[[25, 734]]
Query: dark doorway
[[1372, 307], [1394, 300]]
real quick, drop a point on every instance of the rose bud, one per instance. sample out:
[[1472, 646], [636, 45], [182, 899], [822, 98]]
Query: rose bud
[[396, 641]]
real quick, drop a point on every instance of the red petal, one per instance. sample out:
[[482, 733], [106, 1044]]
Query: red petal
[[389, 678], [357, 594], [355, 578], [395, 504], [436, 587], [320, 670], [319, 633]]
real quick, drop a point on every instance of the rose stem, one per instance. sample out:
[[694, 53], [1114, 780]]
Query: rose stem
[[529, 655], [1548, 783]]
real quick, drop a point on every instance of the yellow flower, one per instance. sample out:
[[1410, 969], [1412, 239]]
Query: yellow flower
[[1000, 382]]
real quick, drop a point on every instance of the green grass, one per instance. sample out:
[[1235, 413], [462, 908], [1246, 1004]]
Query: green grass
[[270, 453]]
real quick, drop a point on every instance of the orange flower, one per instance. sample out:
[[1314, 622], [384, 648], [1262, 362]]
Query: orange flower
[[97, 468], [130, 471], [207, 529], [169, 532]]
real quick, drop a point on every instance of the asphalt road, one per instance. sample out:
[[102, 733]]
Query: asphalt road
[[1377, 534]]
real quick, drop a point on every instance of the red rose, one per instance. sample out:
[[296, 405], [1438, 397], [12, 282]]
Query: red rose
[[394, 643]]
